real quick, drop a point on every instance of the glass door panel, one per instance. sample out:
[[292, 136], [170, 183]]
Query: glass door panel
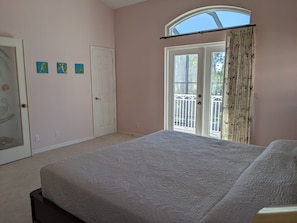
[[216, 93], [185, 92], [10, 115]]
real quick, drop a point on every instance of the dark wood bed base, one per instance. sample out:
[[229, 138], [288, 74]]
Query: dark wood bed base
[[45, 211]]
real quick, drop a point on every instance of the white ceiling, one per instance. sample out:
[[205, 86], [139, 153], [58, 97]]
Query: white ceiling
[[115, 4]]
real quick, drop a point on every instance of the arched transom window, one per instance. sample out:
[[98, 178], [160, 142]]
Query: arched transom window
[[208, 18]]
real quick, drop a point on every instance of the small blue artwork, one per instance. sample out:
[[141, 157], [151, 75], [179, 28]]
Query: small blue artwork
[[79, 68], [42, 67], [62, 68]]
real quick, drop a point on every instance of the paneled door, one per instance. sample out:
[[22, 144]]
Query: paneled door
[[14, 124], [104, 93]]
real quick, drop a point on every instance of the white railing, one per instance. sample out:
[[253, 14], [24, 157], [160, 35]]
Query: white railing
[[216, 106], [185, 113], [185, 110]]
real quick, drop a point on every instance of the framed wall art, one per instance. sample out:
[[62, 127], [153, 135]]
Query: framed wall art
[[62, 68], [42, 67], [79, 68]]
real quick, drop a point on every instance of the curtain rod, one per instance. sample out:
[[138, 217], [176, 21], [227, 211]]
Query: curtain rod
[[207, 31]]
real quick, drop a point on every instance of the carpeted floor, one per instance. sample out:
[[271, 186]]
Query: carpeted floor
[[19, 178]]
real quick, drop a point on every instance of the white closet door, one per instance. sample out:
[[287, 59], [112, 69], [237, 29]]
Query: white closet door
[[104, 93]]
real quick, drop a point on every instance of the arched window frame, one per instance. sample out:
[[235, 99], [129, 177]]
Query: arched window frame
[[194, 12]]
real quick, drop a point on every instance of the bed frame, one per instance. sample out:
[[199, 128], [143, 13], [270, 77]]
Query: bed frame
[[45, 211]]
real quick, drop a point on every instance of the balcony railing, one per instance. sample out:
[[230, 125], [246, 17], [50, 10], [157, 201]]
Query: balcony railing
[[185, 114]]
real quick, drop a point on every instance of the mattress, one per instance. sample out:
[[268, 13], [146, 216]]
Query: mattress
[[162, 177]]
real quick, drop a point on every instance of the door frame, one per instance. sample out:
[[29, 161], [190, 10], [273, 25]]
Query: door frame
[[203, 112], [112, 51], [24, 150]]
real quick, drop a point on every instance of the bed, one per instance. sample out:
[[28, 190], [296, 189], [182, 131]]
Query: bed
[[168, 176]]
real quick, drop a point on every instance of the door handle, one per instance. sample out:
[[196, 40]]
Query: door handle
[[24, 106], [199, 103], [98, 99]]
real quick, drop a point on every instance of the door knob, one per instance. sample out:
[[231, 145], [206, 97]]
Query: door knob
[[199, 103], [24, 106]]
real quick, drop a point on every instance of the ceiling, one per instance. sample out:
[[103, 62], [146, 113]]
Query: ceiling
[[115, 4]]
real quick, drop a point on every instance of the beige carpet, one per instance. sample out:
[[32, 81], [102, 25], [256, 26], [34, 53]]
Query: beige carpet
[[19, 178]]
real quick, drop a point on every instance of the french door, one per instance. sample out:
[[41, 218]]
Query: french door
[[193, 88], [104, 93], [14, 121]]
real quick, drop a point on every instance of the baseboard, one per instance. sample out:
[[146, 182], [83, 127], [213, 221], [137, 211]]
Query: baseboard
[[130, 133], [57, 146]]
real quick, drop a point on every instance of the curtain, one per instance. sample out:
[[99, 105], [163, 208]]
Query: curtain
[[238, 85]]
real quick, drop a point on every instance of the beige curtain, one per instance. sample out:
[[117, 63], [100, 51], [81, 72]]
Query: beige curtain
[[238, 85]]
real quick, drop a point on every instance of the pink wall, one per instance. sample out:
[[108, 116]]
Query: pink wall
[[58, 31], [140, 70]]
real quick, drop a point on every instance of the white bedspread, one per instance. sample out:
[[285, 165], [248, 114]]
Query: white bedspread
[[271, 180], [163, 177]]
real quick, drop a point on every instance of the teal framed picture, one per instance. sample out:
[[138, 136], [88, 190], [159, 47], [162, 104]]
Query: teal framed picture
[[42, 67], [79, 68], [62, 68]]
